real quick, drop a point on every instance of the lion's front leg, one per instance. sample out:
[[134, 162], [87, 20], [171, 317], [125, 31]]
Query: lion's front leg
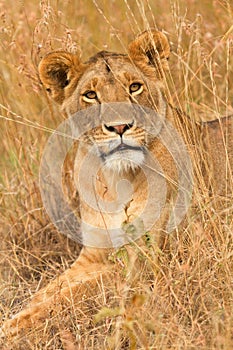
[[68, 288]]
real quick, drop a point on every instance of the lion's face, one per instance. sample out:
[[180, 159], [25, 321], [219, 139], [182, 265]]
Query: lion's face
[[112, 84]]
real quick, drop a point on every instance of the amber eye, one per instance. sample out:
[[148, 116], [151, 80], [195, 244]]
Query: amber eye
[[90, 96], [135, 88]]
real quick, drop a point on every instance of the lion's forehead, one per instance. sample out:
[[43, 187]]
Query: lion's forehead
[[113, 72]]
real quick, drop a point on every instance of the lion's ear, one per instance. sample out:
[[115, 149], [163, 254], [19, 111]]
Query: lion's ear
[[59, 72], [151, 47]]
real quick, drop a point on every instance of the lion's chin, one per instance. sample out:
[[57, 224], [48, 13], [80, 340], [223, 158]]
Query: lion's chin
[[124, 162]]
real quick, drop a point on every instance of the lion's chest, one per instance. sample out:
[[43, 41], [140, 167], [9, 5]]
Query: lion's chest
[[108, 203]]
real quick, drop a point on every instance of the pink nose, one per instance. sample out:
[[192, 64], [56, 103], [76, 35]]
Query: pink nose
[[119, 129]]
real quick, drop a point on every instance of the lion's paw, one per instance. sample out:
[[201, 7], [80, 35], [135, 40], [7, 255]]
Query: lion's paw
[[29, 318]]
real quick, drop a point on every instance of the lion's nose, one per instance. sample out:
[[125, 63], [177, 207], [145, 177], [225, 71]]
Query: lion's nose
[[119, 129]]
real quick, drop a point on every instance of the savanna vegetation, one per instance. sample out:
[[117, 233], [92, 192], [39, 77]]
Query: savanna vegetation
[[179, 301]]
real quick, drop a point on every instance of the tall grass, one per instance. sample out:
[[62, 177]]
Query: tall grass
[[180, 303]]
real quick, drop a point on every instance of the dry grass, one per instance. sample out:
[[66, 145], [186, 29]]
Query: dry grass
[[182, 302]]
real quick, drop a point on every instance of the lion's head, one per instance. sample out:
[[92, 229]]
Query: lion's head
[[126, 79]]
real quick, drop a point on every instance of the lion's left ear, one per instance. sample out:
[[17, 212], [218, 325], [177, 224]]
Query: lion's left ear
[[150, 47]]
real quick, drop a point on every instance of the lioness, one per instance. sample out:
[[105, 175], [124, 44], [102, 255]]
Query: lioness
[[121, 147]]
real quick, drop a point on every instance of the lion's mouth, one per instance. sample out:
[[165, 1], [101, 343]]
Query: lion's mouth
[[123, 157], [124, 147]]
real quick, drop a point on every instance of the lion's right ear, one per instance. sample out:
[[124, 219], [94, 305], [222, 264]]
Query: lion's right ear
[[150, 48], [59, 72]]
